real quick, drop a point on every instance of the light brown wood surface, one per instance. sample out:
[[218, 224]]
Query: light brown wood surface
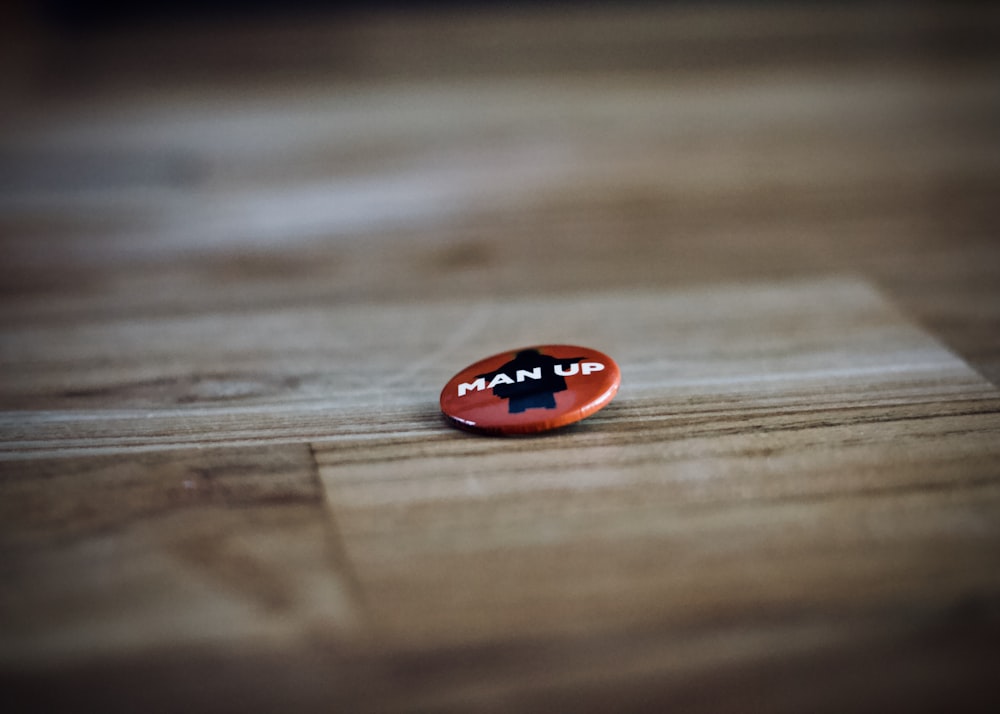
[[240, 260]]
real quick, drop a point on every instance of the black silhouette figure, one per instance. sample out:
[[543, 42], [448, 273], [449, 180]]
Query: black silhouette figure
[[531, 393]]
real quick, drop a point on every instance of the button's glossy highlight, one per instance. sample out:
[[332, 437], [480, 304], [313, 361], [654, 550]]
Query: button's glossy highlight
[[530, 390]]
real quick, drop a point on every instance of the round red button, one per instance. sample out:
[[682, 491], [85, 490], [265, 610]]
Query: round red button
[[531, 390]]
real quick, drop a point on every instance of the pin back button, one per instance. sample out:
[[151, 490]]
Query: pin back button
[[530, 390]]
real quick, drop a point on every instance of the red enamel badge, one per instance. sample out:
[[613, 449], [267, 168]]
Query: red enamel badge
[[531, 390]]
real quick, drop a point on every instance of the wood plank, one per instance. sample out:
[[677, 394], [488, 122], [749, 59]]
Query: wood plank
[[747, 414], [105, 556], [288, 375]]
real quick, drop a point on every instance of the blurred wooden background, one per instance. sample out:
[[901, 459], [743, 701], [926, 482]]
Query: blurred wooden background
[[241, 257]]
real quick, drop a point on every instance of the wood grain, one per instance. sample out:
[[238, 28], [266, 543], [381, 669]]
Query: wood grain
[[239, 261], [814, 404], [109, 554]]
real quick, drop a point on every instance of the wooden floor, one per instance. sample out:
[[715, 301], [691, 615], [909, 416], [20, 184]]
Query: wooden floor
[[240, 260]]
